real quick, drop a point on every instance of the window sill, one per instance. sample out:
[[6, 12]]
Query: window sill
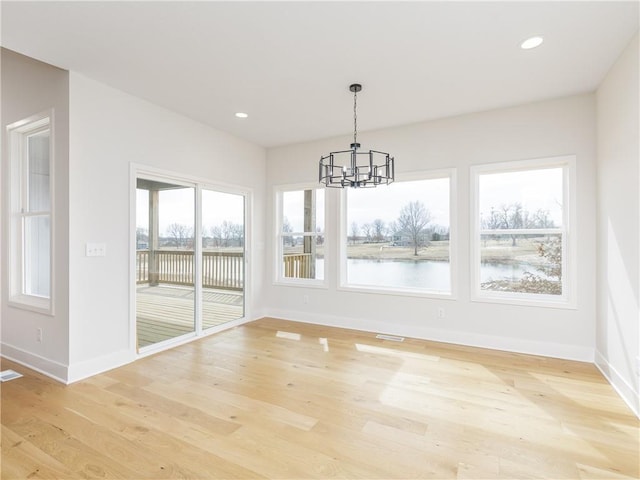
[[32, 303], [401, 292], [544, 301], [301, 283]]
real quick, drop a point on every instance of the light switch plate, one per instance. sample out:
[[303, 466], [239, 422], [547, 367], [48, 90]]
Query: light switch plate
[[96, 250]]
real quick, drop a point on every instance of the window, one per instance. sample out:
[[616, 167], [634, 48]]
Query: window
[[397, 238], [31, 218], [300, 231], [522, 219]]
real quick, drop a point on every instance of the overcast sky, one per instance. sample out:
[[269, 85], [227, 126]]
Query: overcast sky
[[534, 189], [177, 206], [385, 202]]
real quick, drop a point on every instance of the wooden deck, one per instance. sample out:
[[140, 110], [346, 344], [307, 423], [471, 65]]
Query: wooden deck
[[165, 311]]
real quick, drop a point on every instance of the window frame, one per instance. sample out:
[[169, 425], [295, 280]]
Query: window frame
[[569, 246], [451, 174], [17, 147], [279, 278]]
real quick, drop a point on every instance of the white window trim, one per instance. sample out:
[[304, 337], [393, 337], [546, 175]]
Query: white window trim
[[16, 133], [449, 173], [279, 278], [569, 239]]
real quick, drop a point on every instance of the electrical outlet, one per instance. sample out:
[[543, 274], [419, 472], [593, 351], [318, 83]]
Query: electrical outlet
[[305, 299], [39, 335], [440, 313]]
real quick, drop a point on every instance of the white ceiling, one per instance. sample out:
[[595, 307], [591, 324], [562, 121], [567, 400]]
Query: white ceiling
[[289, 64]]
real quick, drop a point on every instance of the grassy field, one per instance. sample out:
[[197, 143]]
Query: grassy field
[[493, 251], [377, 251]]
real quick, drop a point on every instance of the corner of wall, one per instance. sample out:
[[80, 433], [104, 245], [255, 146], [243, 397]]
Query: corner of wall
[[85, 369], [618, 227], [626, 391]]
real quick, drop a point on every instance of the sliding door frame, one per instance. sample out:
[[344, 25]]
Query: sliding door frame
[[199, 184]]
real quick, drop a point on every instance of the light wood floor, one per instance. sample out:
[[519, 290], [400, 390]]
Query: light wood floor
[[276, 399]]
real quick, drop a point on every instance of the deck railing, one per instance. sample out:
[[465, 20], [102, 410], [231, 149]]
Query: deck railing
[[297, 265], [223, 270]]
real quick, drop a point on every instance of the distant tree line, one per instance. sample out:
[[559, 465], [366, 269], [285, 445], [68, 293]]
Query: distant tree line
[[292, 240], [178, 235], [413, 227], [227, 234], [514, 216]]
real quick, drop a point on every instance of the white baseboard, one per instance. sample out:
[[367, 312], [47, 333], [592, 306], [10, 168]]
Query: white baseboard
[[45, 366], [619, 383], [508, 344], [85, 369]]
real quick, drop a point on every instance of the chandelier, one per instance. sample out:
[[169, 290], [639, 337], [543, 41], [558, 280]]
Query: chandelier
[[354, 168]]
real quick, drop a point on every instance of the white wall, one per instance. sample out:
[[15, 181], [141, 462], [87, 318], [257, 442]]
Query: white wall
[[618, 311], [109, 131], [564, 126], [30, 87]]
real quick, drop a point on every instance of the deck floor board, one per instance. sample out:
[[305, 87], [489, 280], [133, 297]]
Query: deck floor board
[[164, 312]]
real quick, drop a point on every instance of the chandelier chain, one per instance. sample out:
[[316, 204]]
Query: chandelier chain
[[355, 117]]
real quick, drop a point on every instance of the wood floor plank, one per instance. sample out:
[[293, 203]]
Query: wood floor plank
[[286, 400], [22, 459]]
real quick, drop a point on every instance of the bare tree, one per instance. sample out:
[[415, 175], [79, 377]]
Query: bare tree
[[378, 230], [142, 237], [513, 215], [413, 220], [238, 233], [393, 230], [492, 222], [227, 232], [366, 229], [539, 219], [287, 228], [179, 233], [354, 232], [216, 235]]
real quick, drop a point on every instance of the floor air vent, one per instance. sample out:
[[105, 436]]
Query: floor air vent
[[9, 375], [393, 338]]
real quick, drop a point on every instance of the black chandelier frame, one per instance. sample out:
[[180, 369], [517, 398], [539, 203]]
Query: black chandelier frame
[[354, 168]]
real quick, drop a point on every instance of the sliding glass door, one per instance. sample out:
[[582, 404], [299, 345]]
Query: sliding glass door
[[165, 261], [222, 257], [184, 287]]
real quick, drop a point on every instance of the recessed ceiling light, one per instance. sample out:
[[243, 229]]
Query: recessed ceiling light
[[532, 42], [241, 115]]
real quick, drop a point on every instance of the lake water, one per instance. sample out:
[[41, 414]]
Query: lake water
[[424, 274]]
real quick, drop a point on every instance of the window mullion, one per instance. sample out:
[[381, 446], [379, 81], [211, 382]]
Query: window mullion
[[522, 231]]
